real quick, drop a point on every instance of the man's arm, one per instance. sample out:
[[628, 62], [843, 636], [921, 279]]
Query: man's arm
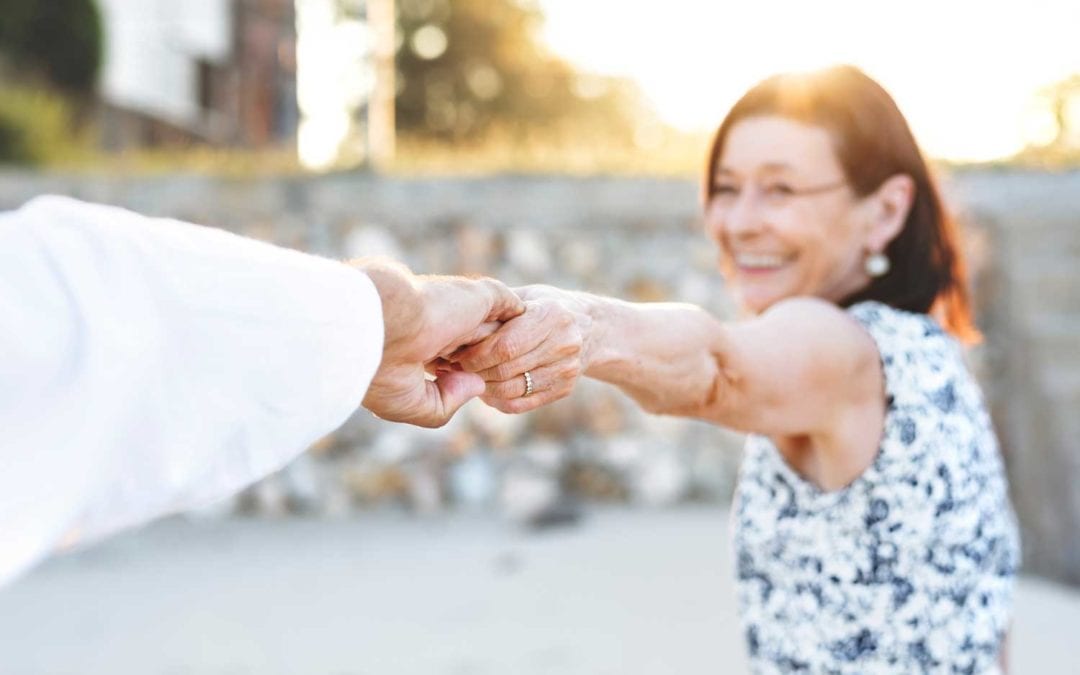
[[149, 366]]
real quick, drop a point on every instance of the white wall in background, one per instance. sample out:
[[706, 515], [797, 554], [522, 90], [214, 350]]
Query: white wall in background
[[151, 51]]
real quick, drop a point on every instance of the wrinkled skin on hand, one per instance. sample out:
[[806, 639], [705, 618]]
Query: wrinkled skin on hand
[[426, 318], [547, 340]]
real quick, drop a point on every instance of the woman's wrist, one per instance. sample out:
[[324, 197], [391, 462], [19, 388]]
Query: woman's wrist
[[590, 313]]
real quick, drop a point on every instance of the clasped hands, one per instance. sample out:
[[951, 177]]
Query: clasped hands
[[450, 339]]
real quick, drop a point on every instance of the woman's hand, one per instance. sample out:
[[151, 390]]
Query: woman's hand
[[548, 341]]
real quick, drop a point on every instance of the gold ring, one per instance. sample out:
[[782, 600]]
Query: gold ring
[[528, 383]]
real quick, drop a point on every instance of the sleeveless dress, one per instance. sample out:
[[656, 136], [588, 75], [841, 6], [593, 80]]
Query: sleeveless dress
[[910, 568]]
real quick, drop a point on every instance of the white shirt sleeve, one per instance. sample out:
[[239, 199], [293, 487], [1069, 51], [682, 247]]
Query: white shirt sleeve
[[149, 366]]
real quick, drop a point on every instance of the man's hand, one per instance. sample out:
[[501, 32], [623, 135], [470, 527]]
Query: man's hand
[[425, 318]]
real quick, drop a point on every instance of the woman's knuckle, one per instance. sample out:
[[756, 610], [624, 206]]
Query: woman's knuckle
[[568, 349], [537, 310], [506, 348], [501, 372], [568, 370]]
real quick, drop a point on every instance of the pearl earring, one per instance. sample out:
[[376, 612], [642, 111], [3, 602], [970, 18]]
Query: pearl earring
[[877, 264]]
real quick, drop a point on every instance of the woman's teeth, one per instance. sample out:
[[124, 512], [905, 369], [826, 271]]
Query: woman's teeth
[[759, 261]]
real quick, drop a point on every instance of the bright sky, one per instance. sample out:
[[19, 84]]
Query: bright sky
[[965, 73]]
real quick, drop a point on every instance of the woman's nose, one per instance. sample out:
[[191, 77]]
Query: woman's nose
[[740, 218]]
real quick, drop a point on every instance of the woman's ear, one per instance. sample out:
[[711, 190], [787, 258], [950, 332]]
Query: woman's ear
[[889, 208]]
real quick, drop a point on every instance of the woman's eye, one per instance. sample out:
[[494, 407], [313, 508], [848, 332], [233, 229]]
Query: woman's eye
[[725, 190], [779, 190]]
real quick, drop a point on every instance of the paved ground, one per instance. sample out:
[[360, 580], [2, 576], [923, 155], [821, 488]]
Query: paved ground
[[627, 593]]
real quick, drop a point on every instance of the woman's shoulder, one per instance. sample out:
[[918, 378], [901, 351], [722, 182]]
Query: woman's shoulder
[[888, 320], [914, 349], [892, 330], [899, 331]]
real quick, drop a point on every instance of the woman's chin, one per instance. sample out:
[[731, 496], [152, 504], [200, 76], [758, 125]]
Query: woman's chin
[[754, 301]]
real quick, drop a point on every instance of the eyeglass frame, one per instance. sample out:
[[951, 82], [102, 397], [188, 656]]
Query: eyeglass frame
[[781, 199]]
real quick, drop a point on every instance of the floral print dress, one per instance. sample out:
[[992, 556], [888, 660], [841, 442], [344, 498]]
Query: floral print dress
[[910, 568]]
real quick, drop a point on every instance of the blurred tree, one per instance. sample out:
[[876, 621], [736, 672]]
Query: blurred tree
[[1062, 101], [466, 68], [1061, 97], [57, 41], [50, 57], [37, 128]]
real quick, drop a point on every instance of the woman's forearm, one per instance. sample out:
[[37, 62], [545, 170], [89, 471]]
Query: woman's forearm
[[670, 358], [664, 355], [797, 369]]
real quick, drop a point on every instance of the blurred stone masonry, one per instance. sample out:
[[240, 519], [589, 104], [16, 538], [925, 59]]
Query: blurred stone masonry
[[640, 239]]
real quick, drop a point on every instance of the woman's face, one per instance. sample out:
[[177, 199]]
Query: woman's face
[[786, 221]]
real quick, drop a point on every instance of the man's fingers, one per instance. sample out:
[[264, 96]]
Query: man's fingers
[[439, 366], [505, 303], [427, 319], [446, 394], [457, 306], [404, 394], [482, 332]]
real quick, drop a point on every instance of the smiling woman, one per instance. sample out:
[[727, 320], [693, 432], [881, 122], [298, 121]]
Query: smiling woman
[[846, 188], [802, 195], [872, 526]]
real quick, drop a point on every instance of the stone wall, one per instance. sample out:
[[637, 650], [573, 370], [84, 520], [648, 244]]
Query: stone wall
[[1030, 309], [638, 239]]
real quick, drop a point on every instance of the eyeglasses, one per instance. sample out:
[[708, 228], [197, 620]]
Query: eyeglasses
[[773, 194]]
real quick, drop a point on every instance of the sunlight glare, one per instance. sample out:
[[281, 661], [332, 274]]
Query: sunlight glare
[[963, 72], [333, 77]]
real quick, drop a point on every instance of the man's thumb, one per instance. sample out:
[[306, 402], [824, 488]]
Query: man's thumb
[[455, 389]]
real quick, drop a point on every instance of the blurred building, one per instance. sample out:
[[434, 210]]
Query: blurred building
[[199, 71]]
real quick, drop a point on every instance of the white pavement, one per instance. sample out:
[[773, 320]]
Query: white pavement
[[626, 593]]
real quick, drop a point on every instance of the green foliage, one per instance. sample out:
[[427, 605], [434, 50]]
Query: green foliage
[[59, 41], [468, 67], [36, 128]]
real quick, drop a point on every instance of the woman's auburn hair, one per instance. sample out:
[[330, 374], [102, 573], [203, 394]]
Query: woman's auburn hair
[[873, 142]]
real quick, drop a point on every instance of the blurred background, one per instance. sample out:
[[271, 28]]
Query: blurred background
[[536, 141]]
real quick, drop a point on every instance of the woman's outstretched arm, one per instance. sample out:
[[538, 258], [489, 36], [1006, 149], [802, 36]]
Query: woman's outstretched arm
[[799, 368]]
